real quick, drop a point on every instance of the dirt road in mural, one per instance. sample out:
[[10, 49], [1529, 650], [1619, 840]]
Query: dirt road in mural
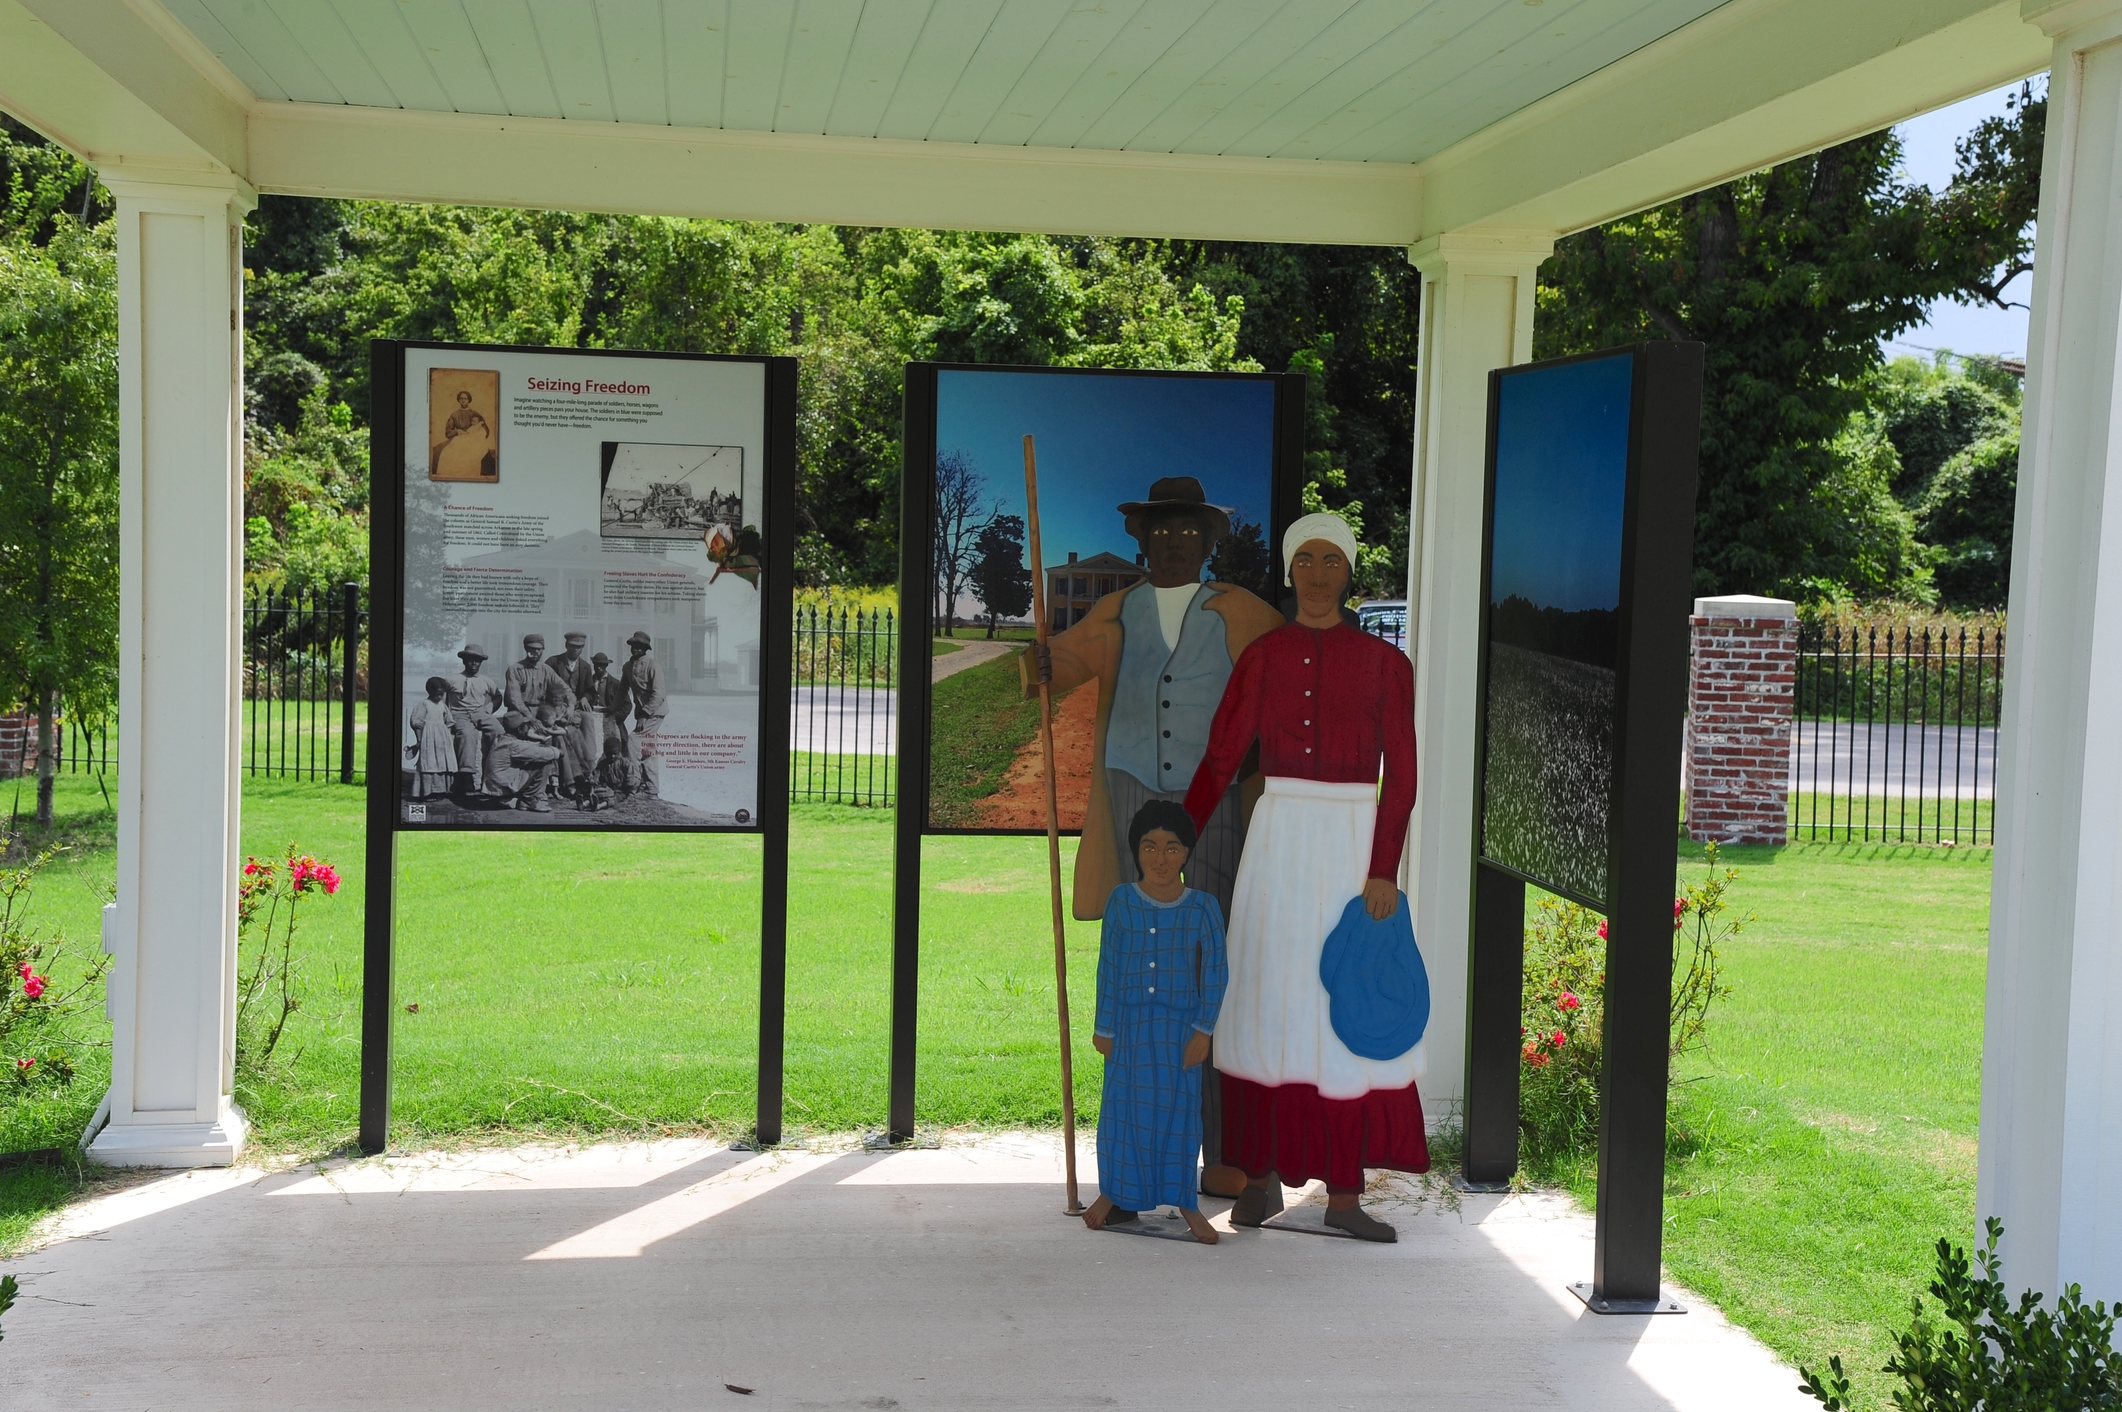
[[1020, 802]]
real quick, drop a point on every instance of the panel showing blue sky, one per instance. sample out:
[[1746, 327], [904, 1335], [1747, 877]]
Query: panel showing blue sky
[[1102, 439], [1927, 157], [1561, 475]]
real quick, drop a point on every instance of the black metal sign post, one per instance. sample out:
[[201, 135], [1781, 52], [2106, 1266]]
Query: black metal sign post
[[386, 621], [1649, 664]]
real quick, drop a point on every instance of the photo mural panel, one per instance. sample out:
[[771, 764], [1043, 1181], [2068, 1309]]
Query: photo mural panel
[[1147, 482], [581, 556], [1558, 498]]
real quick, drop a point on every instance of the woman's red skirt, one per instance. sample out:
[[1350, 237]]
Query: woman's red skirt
[[1290, 1130]]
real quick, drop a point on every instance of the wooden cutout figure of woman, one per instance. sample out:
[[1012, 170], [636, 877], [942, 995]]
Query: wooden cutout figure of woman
[[1332, 708], [1161, 975]]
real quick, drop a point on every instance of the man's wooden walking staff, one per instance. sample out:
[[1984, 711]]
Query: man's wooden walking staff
[[1053, 828]]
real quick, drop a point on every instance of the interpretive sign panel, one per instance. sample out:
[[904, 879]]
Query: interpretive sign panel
[[580, 618], [1559, 488], [581, 633]]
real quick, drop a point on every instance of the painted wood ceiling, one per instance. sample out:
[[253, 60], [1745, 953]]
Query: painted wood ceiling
[[1350, 80]]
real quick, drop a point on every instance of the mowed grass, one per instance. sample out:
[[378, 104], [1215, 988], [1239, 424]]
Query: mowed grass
[[1826, 1137], [576, 984], [581, 983]]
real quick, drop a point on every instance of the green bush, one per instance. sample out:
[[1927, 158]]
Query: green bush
[[1563, 1010], [1981, 1351]]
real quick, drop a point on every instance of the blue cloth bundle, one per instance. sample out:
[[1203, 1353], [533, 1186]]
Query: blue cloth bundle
[[1375, 982]]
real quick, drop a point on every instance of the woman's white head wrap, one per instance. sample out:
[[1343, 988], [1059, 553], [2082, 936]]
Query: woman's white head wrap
[[1331, 528]]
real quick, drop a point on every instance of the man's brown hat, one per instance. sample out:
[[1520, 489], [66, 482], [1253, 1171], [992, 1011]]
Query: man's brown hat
[[473, 649], [574, 637], [1178, 493], [640, 639], [598, 659]]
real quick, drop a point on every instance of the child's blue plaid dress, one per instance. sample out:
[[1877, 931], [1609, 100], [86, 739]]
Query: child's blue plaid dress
[[1161, 973]]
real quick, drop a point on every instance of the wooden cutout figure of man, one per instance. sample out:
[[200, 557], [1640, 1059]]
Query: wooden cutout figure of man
[[1160, 980], [1328, 705], [1161, 651]]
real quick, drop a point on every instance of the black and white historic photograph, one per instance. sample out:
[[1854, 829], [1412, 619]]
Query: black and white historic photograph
[[543, 732], [672, 492]]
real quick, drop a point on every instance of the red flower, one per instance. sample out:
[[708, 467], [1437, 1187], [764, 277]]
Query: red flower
[[1537, 1060], [32, 986], [1567, 1002], [1602, 931], [1558, 1039], [1679, 911], [23, 1066]]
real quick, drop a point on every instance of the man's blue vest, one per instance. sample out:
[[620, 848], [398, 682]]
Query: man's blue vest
[[1165, 699]]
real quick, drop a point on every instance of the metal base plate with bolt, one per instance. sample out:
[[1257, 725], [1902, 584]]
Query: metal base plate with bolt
[[1600, 1304]]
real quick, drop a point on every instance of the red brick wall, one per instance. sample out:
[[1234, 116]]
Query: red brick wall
[[18, 745], [1739, 698]]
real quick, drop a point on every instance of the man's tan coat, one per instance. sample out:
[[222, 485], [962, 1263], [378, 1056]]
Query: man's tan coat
[[1091, 651]]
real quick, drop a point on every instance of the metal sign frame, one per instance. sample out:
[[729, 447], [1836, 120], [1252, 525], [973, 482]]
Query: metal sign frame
[[387, 361], [1650, 703]]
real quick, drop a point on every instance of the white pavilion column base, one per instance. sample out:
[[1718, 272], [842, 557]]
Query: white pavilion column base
[[171, 993], [2050, 1161], [214, 1144], [1477, 315]]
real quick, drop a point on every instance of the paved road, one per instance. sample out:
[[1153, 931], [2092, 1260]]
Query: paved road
[[837, 720], [1930, 762]]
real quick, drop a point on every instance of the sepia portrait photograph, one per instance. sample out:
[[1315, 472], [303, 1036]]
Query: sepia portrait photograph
[[463, 424]]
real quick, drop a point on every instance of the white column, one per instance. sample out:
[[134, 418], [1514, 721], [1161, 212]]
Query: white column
[[2050, 1162], [1477, 315], [173, 928]]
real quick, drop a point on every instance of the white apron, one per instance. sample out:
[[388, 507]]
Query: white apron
[[1307, 853]]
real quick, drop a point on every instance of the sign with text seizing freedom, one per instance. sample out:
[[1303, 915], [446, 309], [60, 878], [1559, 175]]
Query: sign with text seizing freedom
[[580, 617], [586, 542]]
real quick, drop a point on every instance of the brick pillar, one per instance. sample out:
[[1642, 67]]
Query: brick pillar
[[1740, 696]]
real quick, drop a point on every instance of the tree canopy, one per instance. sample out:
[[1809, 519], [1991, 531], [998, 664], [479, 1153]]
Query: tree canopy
[[1791, 277]]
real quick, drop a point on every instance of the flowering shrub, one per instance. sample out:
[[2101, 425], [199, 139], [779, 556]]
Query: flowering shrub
[[1559, 1028], [1563, 1008], [268, 901], [35, 1040]]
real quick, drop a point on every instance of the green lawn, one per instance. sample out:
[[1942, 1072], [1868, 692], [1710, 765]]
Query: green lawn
[[981, 720], [1827, 1136], [576, 983]]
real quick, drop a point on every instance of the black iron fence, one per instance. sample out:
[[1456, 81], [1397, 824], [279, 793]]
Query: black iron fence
[[845, 718], [304, 670], [302, 676], [1896, 733]]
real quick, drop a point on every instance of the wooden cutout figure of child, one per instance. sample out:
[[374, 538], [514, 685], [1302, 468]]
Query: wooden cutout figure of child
[[1161, 973]]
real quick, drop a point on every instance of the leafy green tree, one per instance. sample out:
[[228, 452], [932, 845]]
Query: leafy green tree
[[1791, 277], [58, 448], [1001, 580], [1966, 512], [1345, 317]]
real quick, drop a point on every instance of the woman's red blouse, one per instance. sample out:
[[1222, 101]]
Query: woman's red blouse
[[1324, 706]]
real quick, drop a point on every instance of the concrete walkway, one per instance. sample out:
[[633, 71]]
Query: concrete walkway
[[972, 651], [652, 1275]]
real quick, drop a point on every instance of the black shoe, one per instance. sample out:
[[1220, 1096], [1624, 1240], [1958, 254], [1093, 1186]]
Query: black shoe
[[1120, 1216], [1362, 1225], [1256, 1203]]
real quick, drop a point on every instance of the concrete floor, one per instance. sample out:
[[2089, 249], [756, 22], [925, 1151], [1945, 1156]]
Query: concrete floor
[[652, 1275]]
